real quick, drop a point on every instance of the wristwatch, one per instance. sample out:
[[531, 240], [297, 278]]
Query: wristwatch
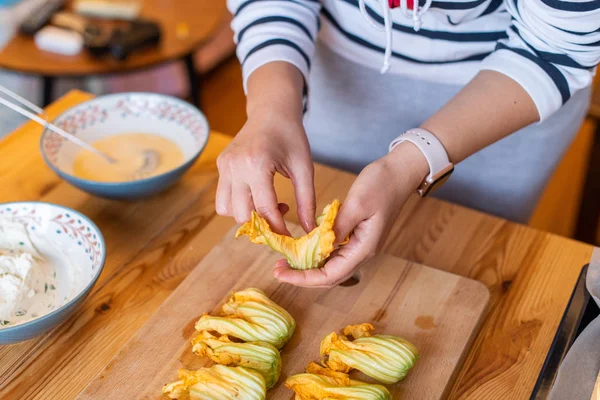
[[440, 166]]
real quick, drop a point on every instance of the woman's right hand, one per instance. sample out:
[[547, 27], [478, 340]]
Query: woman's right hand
[[272, 141]]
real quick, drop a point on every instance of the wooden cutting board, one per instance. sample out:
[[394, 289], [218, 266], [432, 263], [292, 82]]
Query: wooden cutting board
[[439, 312]]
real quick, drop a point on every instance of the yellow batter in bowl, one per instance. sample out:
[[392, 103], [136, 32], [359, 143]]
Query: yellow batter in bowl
[[128, 149]]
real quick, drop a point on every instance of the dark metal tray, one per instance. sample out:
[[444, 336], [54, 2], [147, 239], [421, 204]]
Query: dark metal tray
[[564, 338]]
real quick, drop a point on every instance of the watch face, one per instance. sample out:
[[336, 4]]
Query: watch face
[[430, 186]]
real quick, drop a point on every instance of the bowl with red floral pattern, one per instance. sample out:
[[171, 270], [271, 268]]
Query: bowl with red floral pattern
[[50, 258], [167, 118]]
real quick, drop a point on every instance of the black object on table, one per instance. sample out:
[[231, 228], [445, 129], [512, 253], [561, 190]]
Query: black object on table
[[122, 41], [580, 311]]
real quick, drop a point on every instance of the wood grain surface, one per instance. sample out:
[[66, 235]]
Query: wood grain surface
[[201, 17], [154, 244], [437, 311]]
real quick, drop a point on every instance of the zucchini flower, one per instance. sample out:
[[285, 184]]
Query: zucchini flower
[[251, 316], [325, 384], [383, 357], [307, 252], [259, 356], [217, 383]]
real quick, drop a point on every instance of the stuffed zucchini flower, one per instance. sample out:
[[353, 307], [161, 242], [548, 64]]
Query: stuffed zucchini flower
[[324, 384], [218, 383], [251, 316], [385, 358], [307, 252], [259, 356]]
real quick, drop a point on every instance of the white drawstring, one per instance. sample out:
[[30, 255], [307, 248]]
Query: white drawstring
[[417, 12], [387, 18], [365, 14]]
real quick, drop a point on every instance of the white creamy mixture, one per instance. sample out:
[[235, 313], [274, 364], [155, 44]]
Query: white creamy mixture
[[27, 282]]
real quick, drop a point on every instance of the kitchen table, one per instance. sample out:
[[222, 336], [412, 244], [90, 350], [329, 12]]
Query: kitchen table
[[184, 28], [153, 245]]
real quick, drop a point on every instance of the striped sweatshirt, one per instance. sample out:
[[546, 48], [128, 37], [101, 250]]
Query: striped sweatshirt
[[550, 47]]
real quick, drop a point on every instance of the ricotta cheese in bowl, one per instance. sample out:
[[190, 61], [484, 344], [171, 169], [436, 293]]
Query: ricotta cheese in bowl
[[50, 257], [27, 280]]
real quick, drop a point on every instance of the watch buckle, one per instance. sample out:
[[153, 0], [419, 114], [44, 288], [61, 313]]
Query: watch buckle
[[433, 181]]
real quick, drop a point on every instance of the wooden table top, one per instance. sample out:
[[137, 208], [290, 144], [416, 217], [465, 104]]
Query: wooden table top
[[202, 17], [153, 245]]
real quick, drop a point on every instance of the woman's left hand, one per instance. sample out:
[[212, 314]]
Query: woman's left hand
[[368, 213]]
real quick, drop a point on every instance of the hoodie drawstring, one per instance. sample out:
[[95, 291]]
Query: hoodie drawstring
[[365, 14], [417, 12]]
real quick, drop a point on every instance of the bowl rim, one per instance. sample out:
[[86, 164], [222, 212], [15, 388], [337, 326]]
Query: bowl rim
[[81, 294], [109, 185]]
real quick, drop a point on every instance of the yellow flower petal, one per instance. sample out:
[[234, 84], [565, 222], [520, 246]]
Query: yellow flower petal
[[358, 331], [306, 252], [339, 378]]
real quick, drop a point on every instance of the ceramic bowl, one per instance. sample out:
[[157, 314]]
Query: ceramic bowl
[[121, 113], [73, 245]]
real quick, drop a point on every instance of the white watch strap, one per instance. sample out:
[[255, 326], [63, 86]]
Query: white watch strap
[[430, 146]]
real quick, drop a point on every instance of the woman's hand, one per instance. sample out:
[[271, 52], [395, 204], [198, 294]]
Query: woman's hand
[[248, 165], [368, 213], [272, 140]]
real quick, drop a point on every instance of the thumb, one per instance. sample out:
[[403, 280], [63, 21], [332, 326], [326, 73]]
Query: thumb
[[347, 219]]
